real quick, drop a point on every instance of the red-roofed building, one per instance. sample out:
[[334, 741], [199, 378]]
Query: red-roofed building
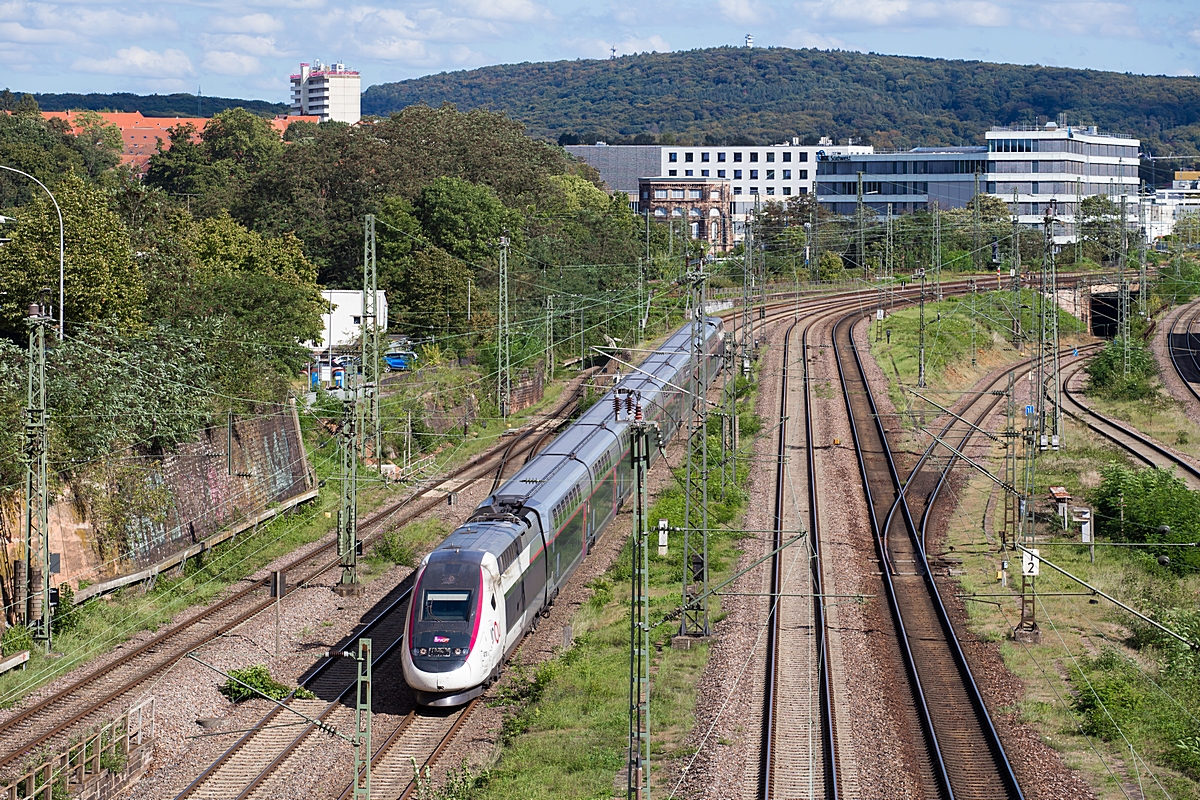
[[141, 134]]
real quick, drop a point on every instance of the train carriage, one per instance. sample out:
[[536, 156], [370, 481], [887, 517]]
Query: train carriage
[[482, 588]]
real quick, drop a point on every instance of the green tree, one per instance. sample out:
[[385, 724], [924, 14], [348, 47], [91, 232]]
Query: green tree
[[464, 219], [99, 142], [101, 282], [1100, 226]]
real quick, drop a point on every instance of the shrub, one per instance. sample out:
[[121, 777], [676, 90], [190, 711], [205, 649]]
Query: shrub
[[1106, 372], [256, 681], [16, 639]]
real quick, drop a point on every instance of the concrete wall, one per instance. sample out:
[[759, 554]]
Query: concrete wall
[[200, 498]]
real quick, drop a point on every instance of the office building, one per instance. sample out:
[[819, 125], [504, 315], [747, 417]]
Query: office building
[[327, 91], [907, 181], [620, 166]]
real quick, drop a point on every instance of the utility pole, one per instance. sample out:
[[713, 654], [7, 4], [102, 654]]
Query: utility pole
[[348, 585], [644, 436], [695, 509], [936, 255], [921, 340], [36, 611], [504, 338], [858, 214], [1015, 273], [549, 356], [973, 347], [814, 263], [1123, 291], [977, 219], [747, 327], [1143, 293], [1047, 375], [372, 374], [362, 723]]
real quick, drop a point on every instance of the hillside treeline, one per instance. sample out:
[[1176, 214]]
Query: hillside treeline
[[733, 95], [178, 104]]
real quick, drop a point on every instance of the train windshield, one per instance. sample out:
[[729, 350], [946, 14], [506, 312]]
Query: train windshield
[[442, 606]]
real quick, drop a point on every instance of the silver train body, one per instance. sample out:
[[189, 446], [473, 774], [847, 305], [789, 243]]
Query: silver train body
[[482, 588]]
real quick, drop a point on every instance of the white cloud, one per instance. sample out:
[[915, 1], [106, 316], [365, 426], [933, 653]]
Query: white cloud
[[505, 10], [1114, 20], [799, 38], [15, 32], [599, 48], [263, 46], [408, 51], [143, 63], [907, 13], [744, 11], [105, 21], [250, 23], [225, 62]]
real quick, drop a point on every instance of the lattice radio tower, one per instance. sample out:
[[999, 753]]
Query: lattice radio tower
[[695, 505]]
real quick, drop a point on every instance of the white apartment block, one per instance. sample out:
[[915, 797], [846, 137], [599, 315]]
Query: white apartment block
[[755, 174], [328, 91], [1030, 167]]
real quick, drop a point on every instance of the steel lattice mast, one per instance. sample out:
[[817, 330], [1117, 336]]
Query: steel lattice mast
[[695, 513], [371, 357]]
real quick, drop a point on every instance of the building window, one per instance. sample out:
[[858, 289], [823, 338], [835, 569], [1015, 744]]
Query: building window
[[787, 174], [803, 190], [771, 157], [753, 190], [787, 157], [720, 157], [704, 156], [803, 172], [672, 173], [677, 194], [672, 157], [1035, 167], [689, 157], [753, 174], [787, 190], [703, 173], [754, 156], [737, 190], [720, 173], [1035, 188], [356, 320], [687, 173], [660, 212], [737, 156], [991, 187], [770, 190], [660, 194], [770, 173], [804, 156], [714, 195], [676, 212], [737, 174], [694, 194]]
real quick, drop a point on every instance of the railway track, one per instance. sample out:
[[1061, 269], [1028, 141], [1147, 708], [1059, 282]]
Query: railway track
[[84, 700], [799, 732], [1137, 444], [957, 751], [1184, 349]]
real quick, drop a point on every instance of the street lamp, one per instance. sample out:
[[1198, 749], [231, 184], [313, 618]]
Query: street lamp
[[62, 330]]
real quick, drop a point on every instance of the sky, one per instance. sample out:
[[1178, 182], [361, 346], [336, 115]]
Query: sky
[[248, 48]]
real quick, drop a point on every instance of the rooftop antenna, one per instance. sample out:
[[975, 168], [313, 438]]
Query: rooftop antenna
[[749, 40], [198, 100], [613, 57]]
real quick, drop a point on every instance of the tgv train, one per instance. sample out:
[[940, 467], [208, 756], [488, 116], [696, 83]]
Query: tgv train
[[482, 588]]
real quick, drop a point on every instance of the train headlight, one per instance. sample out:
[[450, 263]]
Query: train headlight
[[423, 651], [458, 651]]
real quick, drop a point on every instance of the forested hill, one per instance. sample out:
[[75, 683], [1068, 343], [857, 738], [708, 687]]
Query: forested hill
[[155, 105], [760, 95]]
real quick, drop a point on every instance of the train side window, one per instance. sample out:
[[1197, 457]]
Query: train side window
[[493, 602]]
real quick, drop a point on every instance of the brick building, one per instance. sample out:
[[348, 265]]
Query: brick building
[[703, 205]]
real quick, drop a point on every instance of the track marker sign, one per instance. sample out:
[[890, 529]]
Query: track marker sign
[[1031, 564]]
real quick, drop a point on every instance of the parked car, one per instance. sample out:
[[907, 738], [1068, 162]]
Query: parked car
[[399, 359]]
